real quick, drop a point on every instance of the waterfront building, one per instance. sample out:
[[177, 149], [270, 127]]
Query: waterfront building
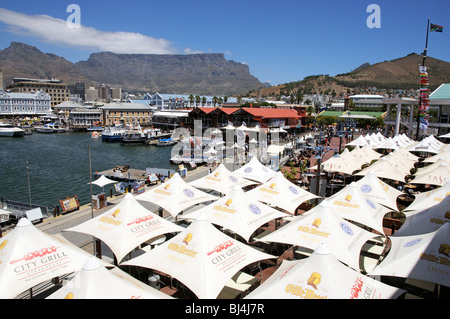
[[13, 104], [57, 90], [180, 101], [82, 118], [78, 90], [171, 119], [367, 101], [126, 113]]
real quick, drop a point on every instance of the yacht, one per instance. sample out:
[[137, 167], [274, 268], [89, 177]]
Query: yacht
[[9, 130], [50, 128], [113, 133]]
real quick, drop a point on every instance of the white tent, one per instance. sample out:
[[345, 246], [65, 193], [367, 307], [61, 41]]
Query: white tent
[[323, 225], [256, 171], [426, 221], [339, 164], [221, 180], [239, 212], [445, 135], [378, 191], [439, 176], [126, 226], [103, 181], [175, 195], [442, 154], [403, 164], [365, 154], [280, 192], [384, 169], [360, 141], [424, 146], [431, 167], [403, 153], [29, 257], [201, 257], [350, 203], [321, 276], [94, 281], [422, 257], [428, 199], [389, 143]]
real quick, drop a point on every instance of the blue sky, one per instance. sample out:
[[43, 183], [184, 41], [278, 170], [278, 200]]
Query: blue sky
[[280, 41]]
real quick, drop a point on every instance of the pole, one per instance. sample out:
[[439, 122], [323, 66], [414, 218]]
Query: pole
[[90, 183], [424, 56]]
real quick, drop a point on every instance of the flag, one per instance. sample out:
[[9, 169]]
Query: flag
[[435, 27]]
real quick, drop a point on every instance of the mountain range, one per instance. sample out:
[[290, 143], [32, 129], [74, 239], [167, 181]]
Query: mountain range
[[398, 74], [204, 74]]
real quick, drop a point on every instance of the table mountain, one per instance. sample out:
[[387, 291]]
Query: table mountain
[[203, 74]]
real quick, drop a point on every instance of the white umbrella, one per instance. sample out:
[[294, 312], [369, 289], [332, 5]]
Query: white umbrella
[[175, 195], [428, 199], [280, 192], [103, 181], [360, 141], [323, 225], [29, 257], [439, 176], [387, 144], [239, 212], [443, 154], [201, 257], [350, 203], [365, 154], [426, 221], [422, 257], [445, 135], [256, 171], [221, 180], [126, 226], [384, 169], [338, 164], [431, 167], [378, 191], [321, 276], [94, 281]]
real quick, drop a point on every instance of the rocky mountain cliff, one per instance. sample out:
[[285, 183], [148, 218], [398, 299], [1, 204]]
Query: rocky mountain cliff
[[203, 74]]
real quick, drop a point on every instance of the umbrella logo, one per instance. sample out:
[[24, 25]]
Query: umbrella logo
[[233, 179], [314, 280], [116, 212], [254, 209], [366, 188], [444, 249], [188, 193], [272, 186], [187, 239], [216, 174], [166, 187], [293, 190], [346, 229], [248, 170], [3, 244], [316, 223], [228, 202], [412, 242], [348, 198], [371, 204]]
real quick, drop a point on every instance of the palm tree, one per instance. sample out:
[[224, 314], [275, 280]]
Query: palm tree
[[197, 100], [203, 101], [191, 98], [214, 99]]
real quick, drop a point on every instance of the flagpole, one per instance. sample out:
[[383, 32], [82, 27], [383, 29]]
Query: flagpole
[[424, 56]]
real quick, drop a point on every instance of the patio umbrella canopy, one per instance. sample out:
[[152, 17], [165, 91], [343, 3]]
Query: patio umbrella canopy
[[339, 164], [323, 225], [438, 176], [103, 181], [427, 220], [445, 155], [126, 226], [428, 199], [280, 192], [384, 169], [239, 212], [175, 195], [201, 257], [378, 191], [321, 276], [94, 281], [221, 180], [350, 203], [29, 257], [255, 171], [422, 257]]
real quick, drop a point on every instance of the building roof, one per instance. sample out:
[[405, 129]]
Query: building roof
[[441, 93], [125, 106], [366, 96], [272, 112]]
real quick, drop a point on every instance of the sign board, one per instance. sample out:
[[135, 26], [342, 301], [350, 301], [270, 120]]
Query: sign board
[[69, 203], [34, 214]]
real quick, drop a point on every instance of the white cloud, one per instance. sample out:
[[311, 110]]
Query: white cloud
[[56, 31], [192, 51]]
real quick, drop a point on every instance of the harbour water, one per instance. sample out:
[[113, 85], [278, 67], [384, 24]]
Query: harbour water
[[58, 165]]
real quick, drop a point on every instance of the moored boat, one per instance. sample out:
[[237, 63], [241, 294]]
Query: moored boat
[[50, 128], [8, 130]]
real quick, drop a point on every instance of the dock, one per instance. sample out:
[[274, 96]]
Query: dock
[[123, 173]]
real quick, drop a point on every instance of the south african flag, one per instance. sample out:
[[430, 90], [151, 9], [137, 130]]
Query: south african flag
[[435, 27]]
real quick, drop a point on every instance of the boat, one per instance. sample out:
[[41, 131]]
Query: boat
[[132, 137], [95, 134], [50, 128], [8, 130], [113, 133], [166, 142]]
